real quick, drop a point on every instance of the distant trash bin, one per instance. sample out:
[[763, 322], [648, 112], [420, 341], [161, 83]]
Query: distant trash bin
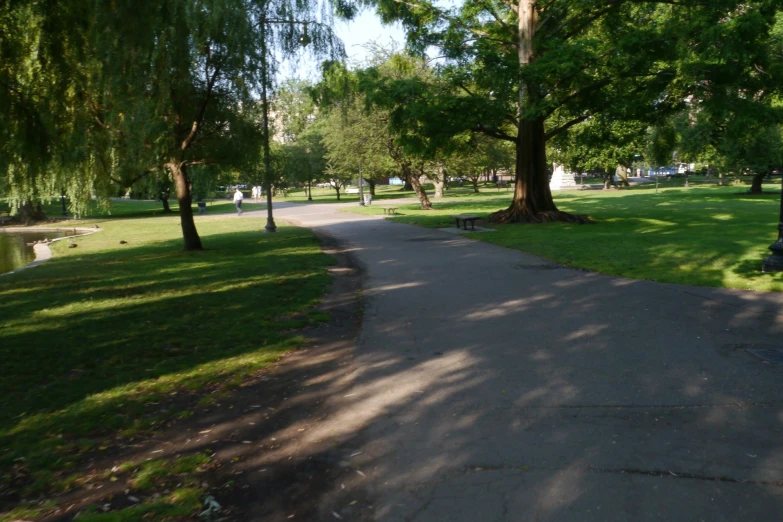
[[368, 199], [202, 208]]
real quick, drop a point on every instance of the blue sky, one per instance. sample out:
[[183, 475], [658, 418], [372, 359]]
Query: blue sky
[[364, 29]]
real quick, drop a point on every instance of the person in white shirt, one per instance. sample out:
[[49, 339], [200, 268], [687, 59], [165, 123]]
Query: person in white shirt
[[238, 197]]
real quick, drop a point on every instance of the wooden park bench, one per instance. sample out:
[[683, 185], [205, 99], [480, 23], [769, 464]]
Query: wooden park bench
[[465, 218], [390, 210], [351, 190], [502, 184]]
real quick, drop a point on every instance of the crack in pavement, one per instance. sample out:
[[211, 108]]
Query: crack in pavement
[[679, 475], [625, 471]]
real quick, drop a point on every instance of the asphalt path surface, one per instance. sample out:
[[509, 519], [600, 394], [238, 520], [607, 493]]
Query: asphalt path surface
[[493, 385]]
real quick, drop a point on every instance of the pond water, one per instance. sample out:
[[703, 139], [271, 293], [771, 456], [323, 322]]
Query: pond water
[[14, 252]]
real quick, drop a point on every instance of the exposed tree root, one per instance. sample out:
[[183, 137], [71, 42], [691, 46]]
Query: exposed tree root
[[515, 215]]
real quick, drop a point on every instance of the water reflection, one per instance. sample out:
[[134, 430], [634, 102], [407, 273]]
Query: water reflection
[[14, 251]]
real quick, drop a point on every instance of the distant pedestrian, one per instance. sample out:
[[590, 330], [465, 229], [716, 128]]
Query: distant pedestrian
[[238, 197], [253, 193]]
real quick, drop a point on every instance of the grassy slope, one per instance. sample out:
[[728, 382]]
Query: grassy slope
[[705, 235], [92, 338]]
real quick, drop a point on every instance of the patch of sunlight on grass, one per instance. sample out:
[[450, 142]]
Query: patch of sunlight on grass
[[105, 329], [706, 235]]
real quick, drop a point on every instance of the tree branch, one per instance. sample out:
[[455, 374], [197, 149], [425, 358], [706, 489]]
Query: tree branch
[[554, 132], [197, 122], [495, 133], [575, 94]]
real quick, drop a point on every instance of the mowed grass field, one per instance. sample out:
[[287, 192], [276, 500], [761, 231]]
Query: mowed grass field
[[98, 342], [704, 235]]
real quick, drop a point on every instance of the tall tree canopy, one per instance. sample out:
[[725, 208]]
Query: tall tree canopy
[[526, 71], [106, 92]]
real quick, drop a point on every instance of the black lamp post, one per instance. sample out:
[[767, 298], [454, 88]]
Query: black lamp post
[[303, 41], [361, 186], [774, 263], [270, 220]]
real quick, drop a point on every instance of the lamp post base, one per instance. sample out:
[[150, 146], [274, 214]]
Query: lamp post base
[[773, 263], [270, 226]]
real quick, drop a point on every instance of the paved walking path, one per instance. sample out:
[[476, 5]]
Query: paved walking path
[[491, 385]]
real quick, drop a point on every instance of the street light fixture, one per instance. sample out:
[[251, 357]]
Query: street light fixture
[[361, 185], [304, 39]]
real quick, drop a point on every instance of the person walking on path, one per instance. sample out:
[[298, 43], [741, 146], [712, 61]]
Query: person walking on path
[[238, 197]]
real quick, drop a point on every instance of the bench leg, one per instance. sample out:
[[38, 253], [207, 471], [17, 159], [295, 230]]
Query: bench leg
[[457, 222]]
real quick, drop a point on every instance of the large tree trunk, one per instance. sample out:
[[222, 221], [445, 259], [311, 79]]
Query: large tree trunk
[[184, 187], [338, 192], [755, 186], [29, 213], [609, 180], [622, 175], [475, 185], [532, 201], [371, 183], [438, 188], [413, 179]]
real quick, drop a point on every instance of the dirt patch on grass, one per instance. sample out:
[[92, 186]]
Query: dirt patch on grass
[[259, 452]]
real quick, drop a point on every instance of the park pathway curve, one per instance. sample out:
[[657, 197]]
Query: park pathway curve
[[492, 385]]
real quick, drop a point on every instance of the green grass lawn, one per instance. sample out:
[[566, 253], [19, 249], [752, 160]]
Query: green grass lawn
[[139, 208], [705, 235], [91, 340]]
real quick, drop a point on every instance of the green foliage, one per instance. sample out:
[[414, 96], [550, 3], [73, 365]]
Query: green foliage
[[101, 96], [614, 68]]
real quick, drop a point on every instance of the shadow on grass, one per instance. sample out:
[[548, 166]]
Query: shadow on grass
[[528, 381], [89, 341]]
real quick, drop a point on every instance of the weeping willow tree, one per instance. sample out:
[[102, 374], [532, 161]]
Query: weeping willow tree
[[103, 94], [42, 122]]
